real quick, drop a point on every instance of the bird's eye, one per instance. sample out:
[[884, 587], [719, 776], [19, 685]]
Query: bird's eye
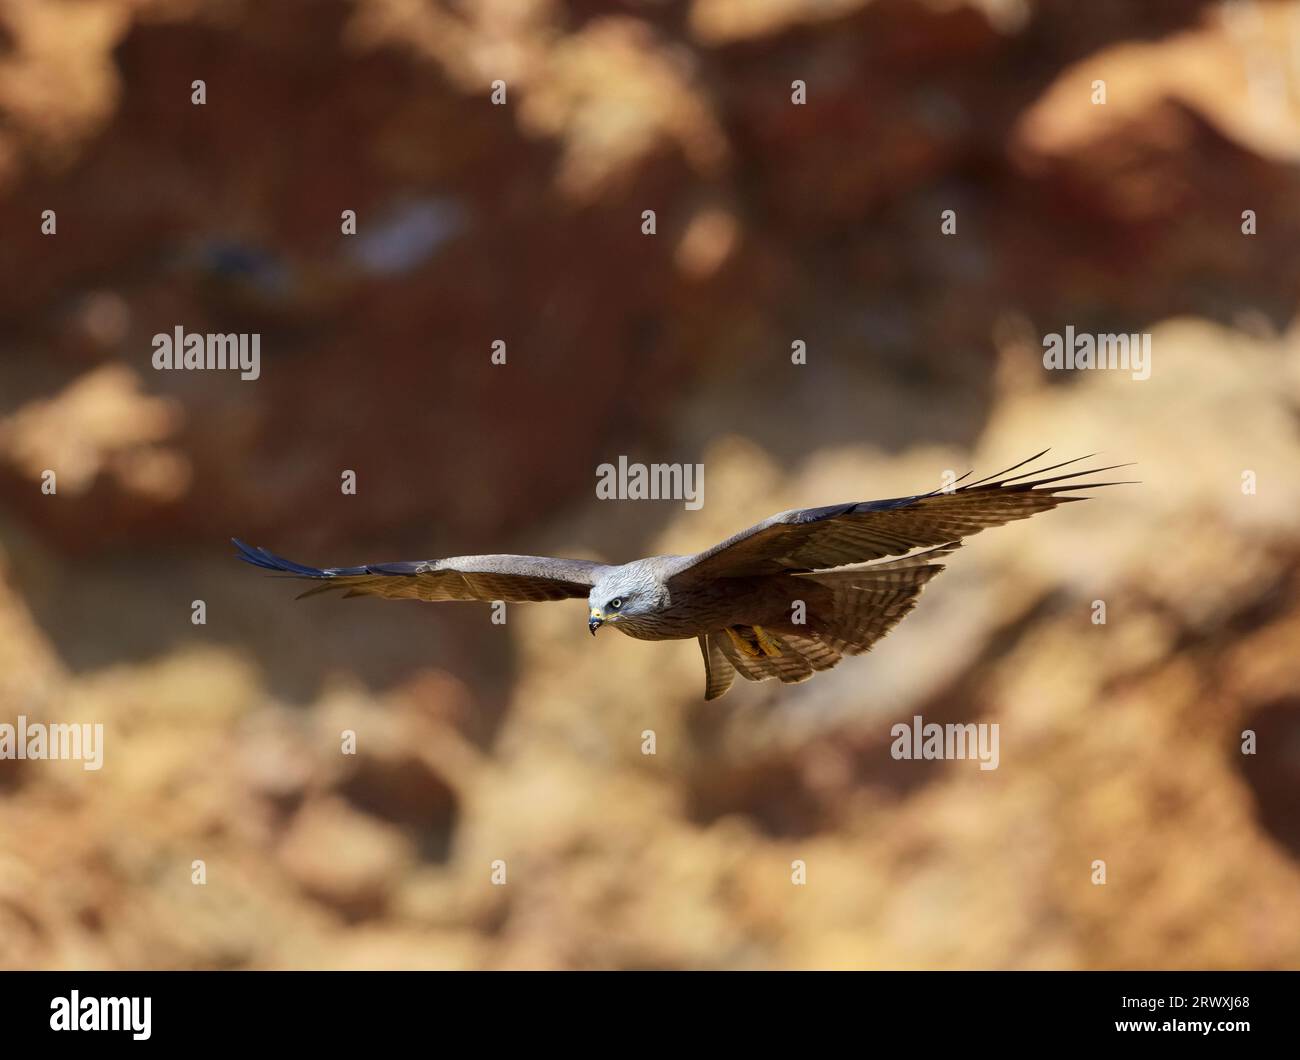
[[616, 603]]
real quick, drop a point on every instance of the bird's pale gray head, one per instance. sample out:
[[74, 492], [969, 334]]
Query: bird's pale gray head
[[624, 594]]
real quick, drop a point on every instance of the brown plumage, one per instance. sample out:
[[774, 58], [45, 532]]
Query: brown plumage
[[785, 599]]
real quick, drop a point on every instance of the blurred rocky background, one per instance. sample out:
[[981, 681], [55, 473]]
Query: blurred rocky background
[[776, 222]]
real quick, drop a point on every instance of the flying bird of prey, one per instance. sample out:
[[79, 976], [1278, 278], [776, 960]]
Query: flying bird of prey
[[741, 599]]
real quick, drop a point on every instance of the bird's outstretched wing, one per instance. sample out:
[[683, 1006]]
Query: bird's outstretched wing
[[821, 538], [510, 578]]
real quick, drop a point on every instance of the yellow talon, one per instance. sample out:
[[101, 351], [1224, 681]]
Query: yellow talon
[[767, 642], [763, 643], [743, 646]]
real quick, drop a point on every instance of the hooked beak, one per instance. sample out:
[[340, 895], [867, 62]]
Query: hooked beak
[[595, 621]]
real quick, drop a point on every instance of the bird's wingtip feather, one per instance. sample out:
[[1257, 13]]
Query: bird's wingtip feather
[[260, 557]]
